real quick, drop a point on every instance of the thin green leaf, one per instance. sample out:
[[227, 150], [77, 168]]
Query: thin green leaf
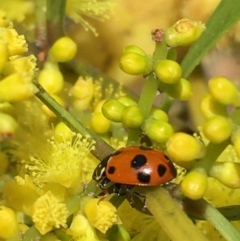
[[224, 17]]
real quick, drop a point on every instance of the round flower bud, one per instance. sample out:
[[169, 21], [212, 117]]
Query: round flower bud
[[8, 126], [168, 71], [182, 90], [182, 147], [194, 184], [134, 49], [210, 107], [228, 173], [160, 115], [99, 123], [157, 130], [184, 32], [8, 224], [223, 90], [112, 110], [63, 50], [98, 107], [217, 129], [132, 116], [62, 133], [4, 55], [51, 78], [135, 64], [127, 101]]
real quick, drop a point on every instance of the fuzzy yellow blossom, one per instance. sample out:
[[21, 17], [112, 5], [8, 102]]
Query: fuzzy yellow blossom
[[8, 224], [48, 213], [59, 162], [101, 214], [81, 229], [101, 10], [16, 43], [20, 193], [17, 64], [16, 87]]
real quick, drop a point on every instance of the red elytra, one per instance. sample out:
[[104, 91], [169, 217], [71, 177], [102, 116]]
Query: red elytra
[[135, 165]]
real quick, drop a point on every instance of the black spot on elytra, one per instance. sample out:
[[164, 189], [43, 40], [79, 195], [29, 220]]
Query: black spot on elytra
[[138, 161], [111, 170], [143, 177], [161, 170]]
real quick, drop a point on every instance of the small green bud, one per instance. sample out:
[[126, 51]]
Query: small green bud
[[134, 49], [168, 71], [224, 91], [157, 130], [135, 64], [132, 116], [182, 147], [182, 90], [210, 107], [217, 129], [127, 101], [63, 50], [228, 173], [112, 110], [184, 32], [160, 115], [194, 185]]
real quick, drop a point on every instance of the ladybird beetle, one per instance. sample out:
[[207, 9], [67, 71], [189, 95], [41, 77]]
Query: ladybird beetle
[[133, 166]]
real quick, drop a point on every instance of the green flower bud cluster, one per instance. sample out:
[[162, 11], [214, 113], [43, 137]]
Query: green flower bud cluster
[[135, 61], [126, 111], [222, 93], [219, 126]]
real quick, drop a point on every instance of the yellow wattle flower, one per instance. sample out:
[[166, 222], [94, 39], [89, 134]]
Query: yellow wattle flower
[[101, 214], [59, 162], [48, 213]]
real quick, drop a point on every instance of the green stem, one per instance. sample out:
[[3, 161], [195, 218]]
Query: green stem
[[205, 210], [145, 103], [171, 218], [55, 19], [166, 103], [102, 149], [212, 153], [221, 223]]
